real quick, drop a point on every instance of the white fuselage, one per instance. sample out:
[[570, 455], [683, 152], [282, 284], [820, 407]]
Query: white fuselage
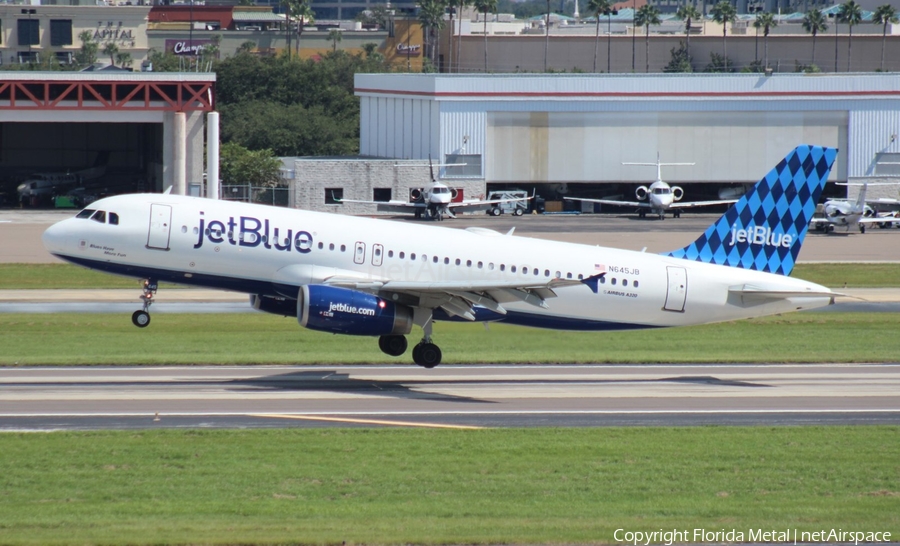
[[252, 248], [660, 196]]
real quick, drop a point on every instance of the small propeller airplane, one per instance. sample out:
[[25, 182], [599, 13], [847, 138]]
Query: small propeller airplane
[[660, 197], [48, 183], [435, 201]]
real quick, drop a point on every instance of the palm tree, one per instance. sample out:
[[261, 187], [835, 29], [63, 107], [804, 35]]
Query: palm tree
[[87, 55], [485, 7], [304, 15], [334, 36], [547, 36], [647, 15], [462, 4], [883, 15], [850, 13], [597, 7], [688, 13], [111, 49], [124, 59], [431, 15], [814, 22], [765, 21], [288, 9], [724, 13]]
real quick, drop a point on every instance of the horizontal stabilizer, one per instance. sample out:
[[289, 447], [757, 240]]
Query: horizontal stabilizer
[[778, 293]]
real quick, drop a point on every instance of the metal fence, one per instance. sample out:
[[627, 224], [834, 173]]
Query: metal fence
[[279, 197]]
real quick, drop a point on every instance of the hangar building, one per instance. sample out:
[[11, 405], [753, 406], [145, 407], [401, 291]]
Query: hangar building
[[570, 133], [146, 128]]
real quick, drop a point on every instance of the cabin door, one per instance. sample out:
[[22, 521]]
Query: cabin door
[[677, 291], [160, 223]]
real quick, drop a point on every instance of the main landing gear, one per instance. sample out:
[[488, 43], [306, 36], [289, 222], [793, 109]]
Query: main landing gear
[[141, 318], [425, 353]]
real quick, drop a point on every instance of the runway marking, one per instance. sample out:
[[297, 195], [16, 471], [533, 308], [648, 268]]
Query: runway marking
[[367, 421], [316, 414]]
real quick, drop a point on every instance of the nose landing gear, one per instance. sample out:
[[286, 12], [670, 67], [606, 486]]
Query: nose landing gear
[[141, 318]]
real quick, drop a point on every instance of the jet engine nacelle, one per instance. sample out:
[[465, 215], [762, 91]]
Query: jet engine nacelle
[[276, 305], [641, 192], [677, 193], [345, 311]]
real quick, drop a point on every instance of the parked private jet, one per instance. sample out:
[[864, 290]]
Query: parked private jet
[[847, 214], [659, 198], [370, 277]]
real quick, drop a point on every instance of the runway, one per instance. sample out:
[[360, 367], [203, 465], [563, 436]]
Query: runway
[[448, 396]]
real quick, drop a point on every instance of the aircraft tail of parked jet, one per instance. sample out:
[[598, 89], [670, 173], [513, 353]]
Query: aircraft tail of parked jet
[[766, 227]]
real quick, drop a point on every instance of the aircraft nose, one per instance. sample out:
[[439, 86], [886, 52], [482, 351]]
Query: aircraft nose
[[55, 238]]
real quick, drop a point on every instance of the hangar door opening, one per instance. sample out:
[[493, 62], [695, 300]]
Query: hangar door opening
[[75, 163]]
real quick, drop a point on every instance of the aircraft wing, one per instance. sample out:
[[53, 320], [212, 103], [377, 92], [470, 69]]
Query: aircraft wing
[[766, 292], [884, 204], [482, 204], [389, 206], [458, 298], [690, 204], [879, 220], [641, 204]]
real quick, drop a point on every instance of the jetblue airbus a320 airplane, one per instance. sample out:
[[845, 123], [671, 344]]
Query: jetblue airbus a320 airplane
[[361, 276]]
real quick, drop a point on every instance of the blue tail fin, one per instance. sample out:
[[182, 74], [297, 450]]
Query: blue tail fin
[[765, 228]]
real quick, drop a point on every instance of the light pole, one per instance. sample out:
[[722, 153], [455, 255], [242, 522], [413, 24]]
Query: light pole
[[191, 31]]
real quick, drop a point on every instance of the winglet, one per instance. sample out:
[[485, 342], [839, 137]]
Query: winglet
[[593, 282], [766, 227]]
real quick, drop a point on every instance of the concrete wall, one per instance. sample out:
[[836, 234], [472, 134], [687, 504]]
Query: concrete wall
[[359, 177], [571, 53]]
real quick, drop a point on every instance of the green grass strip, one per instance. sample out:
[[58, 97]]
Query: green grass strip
[[89, 339], [391, 486], [26, 276]]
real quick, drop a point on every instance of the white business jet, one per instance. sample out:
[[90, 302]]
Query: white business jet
[[660, 197], [845, 214], [435, 201], [370, 277]]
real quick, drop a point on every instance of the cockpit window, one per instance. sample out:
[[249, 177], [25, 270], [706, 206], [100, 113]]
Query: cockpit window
[[99, 216], [86, 213], [113, 218]]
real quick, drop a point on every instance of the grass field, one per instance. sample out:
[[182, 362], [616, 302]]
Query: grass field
[[388, 486], [90, 339], [26, 276]]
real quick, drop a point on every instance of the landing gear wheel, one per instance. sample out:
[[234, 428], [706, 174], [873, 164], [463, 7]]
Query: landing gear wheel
[[676, 214], [427, 355], [862, 228], [140, 319], [642, 214], [392, 345]]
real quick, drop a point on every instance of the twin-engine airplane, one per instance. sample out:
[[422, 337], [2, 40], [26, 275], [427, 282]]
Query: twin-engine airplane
[[361, 276], [659, 198]]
